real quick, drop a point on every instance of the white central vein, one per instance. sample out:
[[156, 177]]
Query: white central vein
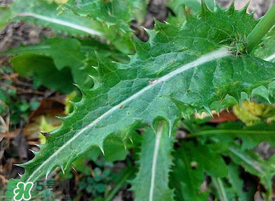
[[154, 163], [270, 58], [221, 53], [223, 193], [248, 161], [62, 22]]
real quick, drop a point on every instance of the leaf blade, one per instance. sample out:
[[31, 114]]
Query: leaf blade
[[151, 182]]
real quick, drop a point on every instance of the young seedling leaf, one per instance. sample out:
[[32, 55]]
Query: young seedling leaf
[[151, 182]]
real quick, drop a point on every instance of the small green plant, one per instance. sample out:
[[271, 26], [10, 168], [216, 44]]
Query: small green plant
[[209, 59]]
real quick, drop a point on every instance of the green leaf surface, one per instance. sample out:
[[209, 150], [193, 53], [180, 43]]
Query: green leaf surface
[[5, 15], [208, 159], [224, 192], [151, 182], [66, 52], [191, 64], [253, 164], [187, 175], [237, 183], [114, 149], [182, 9], [251, 135], [195, 6], [43, 70], [197, 159], [86, 46], [266, 49], [113, 13], [77, 56], [225, 140]]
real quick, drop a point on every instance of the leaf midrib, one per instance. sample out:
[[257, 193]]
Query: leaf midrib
[[154, 163], [62, 22], [270, 58]]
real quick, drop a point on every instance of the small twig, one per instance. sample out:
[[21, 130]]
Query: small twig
[[9, 76], [19, 82], [29, 91]]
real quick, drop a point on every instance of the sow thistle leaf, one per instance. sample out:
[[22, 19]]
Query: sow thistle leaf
[[70, 55], [43, 70], [151, 182], [190, 64]]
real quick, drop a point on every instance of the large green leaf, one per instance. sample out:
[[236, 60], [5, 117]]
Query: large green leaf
[[151, 182], [192, 64], [77, 56]]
